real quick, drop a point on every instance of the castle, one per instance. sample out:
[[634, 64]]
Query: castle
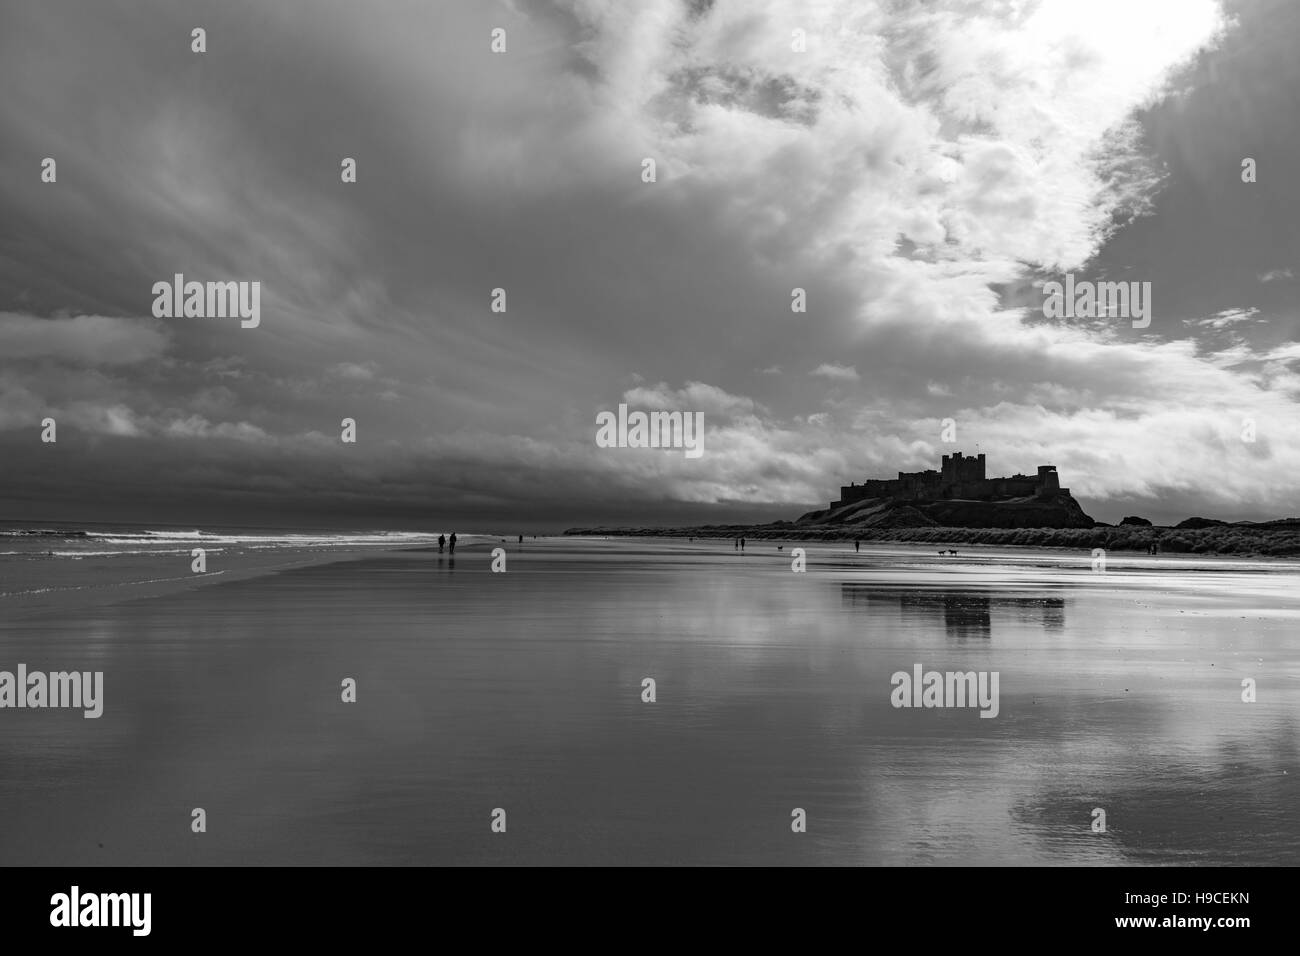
[[961, 477]]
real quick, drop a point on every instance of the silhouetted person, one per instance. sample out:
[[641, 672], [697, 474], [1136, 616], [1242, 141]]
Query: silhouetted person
[[453, 542], [736, 544], [442, 542], [742, 544], [857, 545], [521, 539]]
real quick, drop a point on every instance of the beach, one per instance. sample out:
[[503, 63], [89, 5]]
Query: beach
[[524, 691]]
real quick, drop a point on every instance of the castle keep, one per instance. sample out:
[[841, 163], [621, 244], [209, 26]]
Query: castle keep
[[960, 477]]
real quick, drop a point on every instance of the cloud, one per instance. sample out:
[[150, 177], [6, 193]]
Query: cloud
[[840, 373], [917, 162], [196, 426], [81, 339], [693, 397], [1226, 318], [363, 371], [117, 420]]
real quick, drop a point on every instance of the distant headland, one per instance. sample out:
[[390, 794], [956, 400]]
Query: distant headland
[[959, 504]]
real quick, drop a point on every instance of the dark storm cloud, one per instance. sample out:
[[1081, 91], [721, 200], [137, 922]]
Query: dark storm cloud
[[903, 184]]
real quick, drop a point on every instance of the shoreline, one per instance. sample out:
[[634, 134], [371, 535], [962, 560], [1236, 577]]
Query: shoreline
[[103, 584], [1219, 540]]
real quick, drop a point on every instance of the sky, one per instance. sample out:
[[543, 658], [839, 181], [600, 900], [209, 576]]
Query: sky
[[919, 169]]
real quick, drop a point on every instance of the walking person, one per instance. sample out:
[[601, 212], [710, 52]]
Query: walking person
[[442, 542], [453, 542]]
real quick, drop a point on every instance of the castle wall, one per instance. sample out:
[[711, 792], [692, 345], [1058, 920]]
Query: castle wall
[[960, 478]]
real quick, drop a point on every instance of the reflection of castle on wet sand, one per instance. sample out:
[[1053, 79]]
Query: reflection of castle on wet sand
[[964, 614]]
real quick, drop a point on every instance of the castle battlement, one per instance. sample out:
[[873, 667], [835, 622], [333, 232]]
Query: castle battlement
[[959, 477]]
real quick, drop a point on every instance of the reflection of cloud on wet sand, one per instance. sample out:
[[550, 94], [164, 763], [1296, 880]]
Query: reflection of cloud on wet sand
[[523, 689]]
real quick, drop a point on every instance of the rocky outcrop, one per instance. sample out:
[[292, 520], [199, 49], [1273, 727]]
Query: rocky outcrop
[[1056, 511]]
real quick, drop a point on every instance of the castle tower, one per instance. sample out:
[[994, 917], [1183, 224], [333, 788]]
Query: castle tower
[[1049, 483], [958, 469]]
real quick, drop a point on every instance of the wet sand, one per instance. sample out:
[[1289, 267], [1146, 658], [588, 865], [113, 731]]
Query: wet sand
[[523, 691]]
